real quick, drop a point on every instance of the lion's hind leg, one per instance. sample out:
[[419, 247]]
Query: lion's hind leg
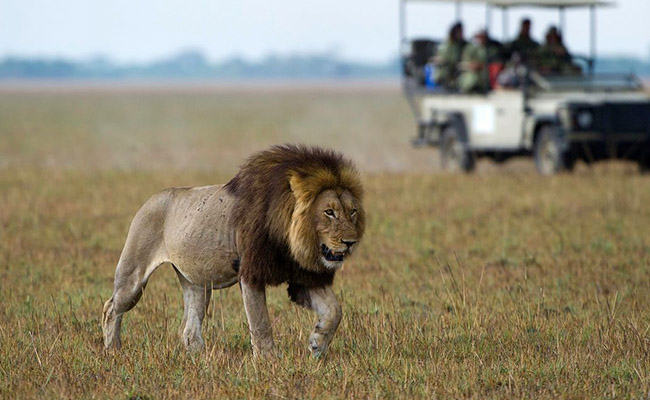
[[111, 325], [143, 252], [196, 299], [130, 282]]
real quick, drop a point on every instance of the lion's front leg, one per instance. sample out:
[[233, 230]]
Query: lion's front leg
[[324, 302], [259, 323]]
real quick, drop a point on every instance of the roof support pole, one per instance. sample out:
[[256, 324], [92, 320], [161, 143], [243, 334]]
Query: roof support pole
[[488, 23], [402, 23], [402, 43], [488, 18], [504, 22], [562, 20], [458, 10], [592, 55]]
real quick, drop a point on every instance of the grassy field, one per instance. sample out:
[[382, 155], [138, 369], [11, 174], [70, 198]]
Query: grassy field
[[498, 284]]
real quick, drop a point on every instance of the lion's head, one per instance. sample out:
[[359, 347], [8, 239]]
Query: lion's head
[[327, 222], [304, 201]]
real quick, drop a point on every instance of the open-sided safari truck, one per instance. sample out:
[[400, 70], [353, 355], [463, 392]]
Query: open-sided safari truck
[[558, 119]]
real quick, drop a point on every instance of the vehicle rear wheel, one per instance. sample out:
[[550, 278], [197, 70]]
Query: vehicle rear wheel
[[454, 154], [550, 158]]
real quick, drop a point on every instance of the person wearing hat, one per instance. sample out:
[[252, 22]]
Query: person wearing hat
[[474, 64]]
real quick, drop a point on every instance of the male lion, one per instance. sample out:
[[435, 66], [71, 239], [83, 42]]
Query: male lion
[[292, 214]]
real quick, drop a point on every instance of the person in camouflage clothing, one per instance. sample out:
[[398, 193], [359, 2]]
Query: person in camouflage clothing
[[448, 57], [524, 45], [474, 64], [553, 57]]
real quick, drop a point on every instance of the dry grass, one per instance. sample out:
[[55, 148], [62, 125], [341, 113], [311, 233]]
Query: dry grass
[[168, 128], [491, 285]]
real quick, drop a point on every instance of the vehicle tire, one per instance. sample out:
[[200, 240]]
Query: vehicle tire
[[454, 154], [550, 158]]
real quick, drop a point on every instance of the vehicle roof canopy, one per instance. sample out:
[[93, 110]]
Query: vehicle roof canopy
[[529, 3]]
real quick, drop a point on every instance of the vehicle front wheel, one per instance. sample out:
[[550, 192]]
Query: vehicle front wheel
[[454, 154], [550, 158]]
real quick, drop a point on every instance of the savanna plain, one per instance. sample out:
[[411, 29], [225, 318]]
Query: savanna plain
[[497, 284]]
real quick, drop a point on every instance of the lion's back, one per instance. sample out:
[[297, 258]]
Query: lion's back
[[199, 234]]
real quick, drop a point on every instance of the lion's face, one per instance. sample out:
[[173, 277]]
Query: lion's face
[[327, 219], [336, 219]]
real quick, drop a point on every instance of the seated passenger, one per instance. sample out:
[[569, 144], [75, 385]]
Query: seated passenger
[[553, 57], [513, 75], [524, 45], [475, 63], [448, 56]]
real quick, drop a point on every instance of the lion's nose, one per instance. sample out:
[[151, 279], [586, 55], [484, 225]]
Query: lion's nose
[[348, 242]]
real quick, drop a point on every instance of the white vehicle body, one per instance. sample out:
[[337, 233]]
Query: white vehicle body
[[498, 121]]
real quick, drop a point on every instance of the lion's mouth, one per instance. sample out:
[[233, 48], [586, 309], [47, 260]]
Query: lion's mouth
[[331, 255]]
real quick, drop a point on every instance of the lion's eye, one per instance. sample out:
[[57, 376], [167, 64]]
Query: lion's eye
[[329, 212], [353, 213]]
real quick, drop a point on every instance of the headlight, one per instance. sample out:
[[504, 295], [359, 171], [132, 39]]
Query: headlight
[[584, 119]]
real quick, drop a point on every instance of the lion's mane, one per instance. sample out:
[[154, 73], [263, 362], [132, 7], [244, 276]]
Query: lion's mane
[[275, 191]]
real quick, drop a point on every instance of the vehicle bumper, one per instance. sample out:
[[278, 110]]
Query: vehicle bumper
[[592, 146]]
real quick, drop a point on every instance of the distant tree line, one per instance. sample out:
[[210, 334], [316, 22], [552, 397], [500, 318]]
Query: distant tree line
[[624, 65], [194, 65]]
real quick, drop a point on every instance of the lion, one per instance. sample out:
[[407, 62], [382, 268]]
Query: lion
[[293, 214]]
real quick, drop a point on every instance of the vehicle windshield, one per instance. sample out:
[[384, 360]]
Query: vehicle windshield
[[587, 82]]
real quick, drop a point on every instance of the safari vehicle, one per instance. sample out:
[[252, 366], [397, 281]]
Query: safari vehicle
[[556, 119]]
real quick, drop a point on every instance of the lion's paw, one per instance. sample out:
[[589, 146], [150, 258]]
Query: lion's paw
[[317, 345]]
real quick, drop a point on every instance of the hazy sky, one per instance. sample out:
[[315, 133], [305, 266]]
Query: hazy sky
[[143, 30]]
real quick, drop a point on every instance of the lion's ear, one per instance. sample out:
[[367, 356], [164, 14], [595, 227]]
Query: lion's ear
[[294, 181], [297, 185]]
